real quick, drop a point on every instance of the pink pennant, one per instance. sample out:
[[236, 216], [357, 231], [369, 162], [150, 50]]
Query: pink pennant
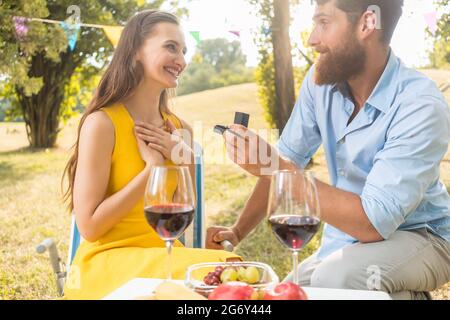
[[431, 20], [236, 33], [21, 27]]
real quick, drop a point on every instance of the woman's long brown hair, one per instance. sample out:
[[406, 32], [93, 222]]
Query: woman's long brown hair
[[120, 79]]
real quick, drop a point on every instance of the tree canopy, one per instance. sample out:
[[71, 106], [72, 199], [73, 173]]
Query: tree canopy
[[440, 55], [45, 80]]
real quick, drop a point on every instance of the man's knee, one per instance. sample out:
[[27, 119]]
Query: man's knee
[[331, 274], [341, 274]]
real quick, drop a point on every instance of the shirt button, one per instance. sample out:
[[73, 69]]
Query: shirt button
[[341, 173]]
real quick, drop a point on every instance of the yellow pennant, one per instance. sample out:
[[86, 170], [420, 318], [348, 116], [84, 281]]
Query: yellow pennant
[[113, 33]]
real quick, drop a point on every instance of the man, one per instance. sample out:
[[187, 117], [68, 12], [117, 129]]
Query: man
[[385, 128]]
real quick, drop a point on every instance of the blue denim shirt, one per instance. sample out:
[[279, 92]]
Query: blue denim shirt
[[389, 154]]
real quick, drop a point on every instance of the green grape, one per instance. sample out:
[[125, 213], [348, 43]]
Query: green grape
[[229, 274], [251, 275], [242, 275]]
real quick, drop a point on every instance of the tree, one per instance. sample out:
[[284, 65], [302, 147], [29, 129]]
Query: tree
[[45, 79], [221, 53], [284, 73], [216, 63], [275, 73], [440, 55]]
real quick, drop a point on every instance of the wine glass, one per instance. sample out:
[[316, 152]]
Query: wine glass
[[293, 210], [169, 204]]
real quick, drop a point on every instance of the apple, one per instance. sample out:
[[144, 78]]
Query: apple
[[286, 291], [234, 290]]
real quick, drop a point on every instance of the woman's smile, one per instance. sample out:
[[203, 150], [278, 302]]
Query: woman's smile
[[175, 72]]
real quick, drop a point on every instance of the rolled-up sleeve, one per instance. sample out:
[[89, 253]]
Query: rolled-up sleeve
[[408, 164], [301, 136]]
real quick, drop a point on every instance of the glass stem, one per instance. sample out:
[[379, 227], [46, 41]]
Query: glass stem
[[169, 245], [295, 266]]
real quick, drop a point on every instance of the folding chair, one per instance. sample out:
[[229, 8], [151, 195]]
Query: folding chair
[[193, 237]]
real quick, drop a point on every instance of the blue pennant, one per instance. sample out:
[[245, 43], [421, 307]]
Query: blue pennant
[[72, 31]]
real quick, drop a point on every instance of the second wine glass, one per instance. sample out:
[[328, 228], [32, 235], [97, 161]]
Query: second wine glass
[[294, 211]]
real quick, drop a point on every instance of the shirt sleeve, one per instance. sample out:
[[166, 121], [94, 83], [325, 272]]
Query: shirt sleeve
[[301, 136], [408, 164]]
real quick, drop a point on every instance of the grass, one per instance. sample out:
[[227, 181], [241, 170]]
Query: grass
[[31, 209]]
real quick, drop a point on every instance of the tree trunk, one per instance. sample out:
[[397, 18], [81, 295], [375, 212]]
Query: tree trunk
[[41, 111], [284, 74]]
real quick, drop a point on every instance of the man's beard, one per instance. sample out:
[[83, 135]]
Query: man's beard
[[342, 64]]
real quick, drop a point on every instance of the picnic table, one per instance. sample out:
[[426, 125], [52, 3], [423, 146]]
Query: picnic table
[[144, 286]]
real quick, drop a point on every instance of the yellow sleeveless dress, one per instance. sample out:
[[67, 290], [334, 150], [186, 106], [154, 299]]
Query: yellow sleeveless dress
[[131, 249]]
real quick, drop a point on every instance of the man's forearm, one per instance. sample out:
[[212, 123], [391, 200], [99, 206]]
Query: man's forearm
[[255, 209], [344, 210]]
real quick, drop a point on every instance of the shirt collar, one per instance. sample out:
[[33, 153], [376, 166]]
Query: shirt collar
[[384, 92]]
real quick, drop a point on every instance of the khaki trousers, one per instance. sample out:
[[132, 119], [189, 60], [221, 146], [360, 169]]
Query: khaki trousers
[[407, 266]]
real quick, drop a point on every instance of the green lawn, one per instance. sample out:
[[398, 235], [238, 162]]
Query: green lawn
[[31, 208], [30, 211]]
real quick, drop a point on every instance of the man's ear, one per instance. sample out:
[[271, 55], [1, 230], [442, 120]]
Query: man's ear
[[370, 23]]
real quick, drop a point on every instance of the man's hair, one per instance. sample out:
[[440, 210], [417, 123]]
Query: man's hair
[[390, 10]]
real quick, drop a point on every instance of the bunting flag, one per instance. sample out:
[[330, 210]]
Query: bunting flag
[[113, 34], [196, 36], [236, 33], [21, 27], [431, 20], [72, 30], [266, 31]]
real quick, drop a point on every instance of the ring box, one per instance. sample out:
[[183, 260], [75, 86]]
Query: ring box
[[241, 118]]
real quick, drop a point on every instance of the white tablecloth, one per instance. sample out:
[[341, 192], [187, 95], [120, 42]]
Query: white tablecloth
[[141, 287]]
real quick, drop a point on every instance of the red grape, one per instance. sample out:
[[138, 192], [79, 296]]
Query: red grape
[[213, 278], [219, 269]]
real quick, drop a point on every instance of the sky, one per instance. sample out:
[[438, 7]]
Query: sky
[[215, 18]]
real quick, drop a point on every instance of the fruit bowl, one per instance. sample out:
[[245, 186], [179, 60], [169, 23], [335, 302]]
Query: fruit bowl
[[261, 280]]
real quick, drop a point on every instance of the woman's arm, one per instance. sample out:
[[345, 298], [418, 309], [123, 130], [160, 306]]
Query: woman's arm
[[95, 214]]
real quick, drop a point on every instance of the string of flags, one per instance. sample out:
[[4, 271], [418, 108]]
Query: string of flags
[[72, 29]]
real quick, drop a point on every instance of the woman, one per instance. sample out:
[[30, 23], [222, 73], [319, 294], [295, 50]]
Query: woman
[[127, 129]]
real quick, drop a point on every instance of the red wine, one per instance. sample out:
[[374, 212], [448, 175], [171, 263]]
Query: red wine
[[169, 220], [294, 231]]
